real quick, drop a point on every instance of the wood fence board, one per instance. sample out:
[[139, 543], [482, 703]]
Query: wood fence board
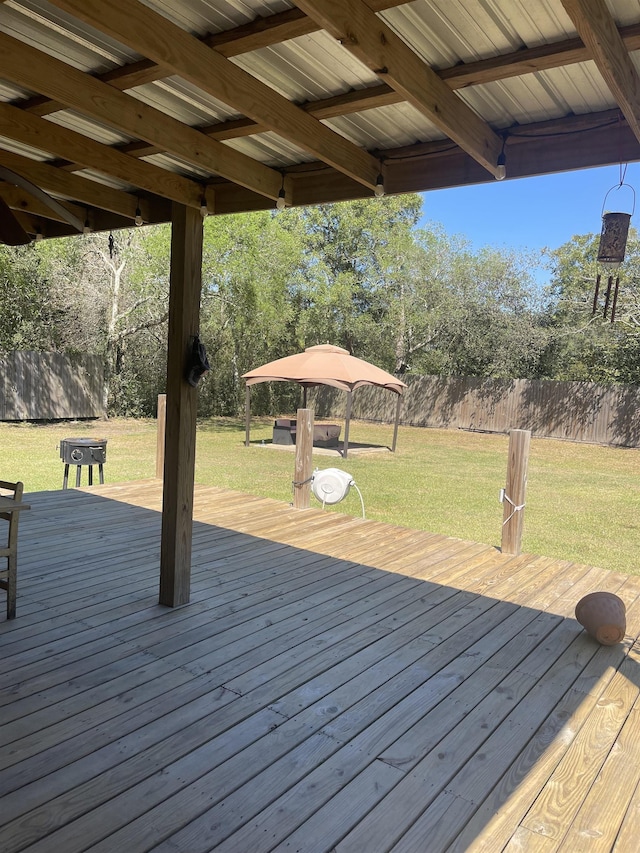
[[574, 411], [49, 386]]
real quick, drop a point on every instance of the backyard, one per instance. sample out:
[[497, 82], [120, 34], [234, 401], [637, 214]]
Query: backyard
[[583, 501]]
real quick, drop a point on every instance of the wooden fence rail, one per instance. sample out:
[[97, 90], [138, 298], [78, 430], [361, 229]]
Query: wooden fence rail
[[576, 411], [49, 386]]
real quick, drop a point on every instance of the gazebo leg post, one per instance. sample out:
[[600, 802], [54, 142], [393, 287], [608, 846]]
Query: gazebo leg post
[[345, 446], [395, 427], [247, 415]]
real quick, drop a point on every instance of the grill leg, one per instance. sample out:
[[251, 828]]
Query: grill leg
[[65, 479], [78, 473], [91, 475], [101, 472]]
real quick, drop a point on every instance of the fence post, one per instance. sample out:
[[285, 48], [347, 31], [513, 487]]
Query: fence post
[[304, 452], [160, 435], [515, 490]]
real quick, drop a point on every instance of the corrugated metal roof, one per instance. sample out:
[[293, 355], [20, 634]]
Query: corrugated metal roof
[[315, 67], [44, 26], [215, 16], [307, 68]]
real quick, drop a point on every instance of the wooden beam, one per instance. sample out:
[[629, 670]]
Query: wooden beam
[[262, 32], [180, 446], [156, 37], [43, 227], [59, 183], [29, 67], [358, 29], [598, 31], [62, 142], [560, 145], [19, 199]]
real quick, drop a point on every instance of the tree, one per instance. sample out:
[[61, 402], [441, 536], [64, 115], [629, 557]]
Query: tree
[[249, 309], [113, 293], [28, 313], [586, 345], [343, 289], [455, 311]]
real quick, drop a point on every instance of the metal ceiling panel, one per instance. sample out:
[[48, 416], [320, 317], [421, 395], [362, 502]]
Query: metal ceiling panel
[[10, 92], [183, 101], [386, 127], [94, 130], [214, 16], [541, 96], [271, 149], [307, 68], [24, 150], [44, 26], [447, 32]]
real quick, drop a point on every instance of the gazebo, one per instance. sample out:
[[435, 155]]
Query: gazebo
[[325, 364]]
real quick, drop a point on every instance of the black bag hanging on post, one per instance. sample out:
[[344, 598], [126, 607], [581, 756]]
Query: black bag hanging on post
[[198, 362]]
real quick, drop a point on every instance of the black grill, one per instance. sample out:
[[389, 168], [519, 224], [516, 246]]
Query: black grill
[[83, 451]]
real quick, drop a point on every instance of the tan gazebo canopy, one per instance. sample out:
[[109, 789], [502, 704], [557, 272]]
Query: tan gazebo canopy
[[325, 364]]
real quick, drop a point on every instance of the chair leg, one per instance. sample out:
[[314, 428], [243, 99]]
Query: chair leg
[[11, 586]]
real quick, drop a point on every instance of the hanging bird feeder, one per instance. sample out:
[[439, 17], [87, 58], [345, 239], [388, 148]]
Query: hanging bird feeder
[[611, 252], [613, 239]]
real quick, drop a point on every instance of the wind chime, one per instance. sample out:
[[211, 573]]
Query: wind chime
[[611, 251]]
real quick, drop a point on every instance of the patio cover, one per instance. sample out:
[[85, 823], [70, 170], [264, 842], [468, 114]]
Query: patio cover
[[326, 365]]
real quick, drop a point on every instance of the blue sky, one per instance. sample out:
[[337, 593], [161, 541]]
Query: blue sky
[[532, 213]]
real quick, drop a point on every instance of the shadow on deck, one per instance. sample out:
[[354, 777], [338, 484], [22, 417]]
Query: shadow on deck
[[335, 684]]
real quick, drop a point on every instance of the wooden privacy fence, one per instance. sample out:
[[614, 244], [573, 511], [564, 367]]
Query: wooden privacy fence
[[49, 385], [576, 411]]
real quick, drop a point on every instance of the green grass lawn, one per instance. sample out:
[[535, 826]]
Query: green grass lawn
[[583, 501]]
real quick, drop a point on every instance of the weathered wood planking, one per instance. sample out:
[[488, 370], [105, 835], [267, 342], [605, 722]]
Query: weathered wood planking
[[334, 684]]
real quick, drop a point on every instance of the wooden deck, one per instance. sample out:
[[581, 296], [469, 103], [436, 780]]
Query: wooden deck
[[334, 685]]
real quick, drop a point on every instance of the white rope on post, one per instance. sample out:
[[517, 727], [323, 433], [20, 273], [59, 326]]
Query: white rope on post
[[516, 507]]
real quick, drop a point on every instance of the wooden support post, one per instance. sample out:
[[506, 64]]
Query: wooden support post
[[304, 460], [515, 490], [180, 444], [160, 434]]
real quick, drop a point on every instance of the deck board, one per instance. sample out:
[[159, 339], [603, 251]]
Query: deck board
[[335, 684]]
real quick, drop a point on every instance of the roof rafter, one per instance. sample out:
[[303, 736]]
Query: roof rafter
[[37, 71], [598, 31], [62, 142], [158, 38], [86, 192], [365, 35]]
